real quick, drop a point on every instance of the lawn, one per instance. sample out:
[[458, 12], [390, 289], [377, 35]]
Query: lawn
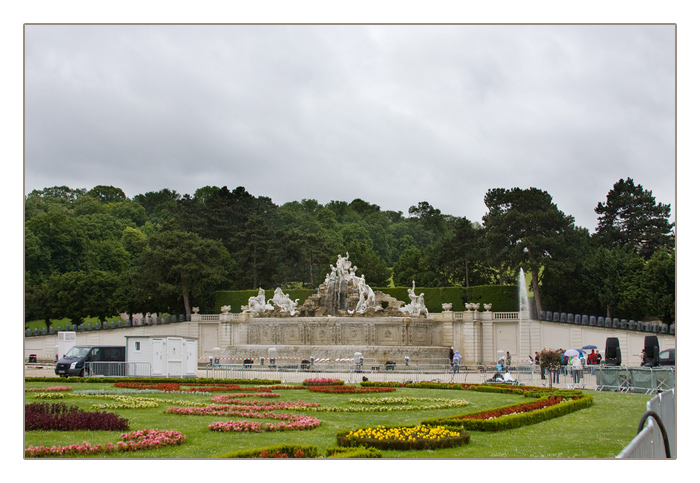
[[600, 431]]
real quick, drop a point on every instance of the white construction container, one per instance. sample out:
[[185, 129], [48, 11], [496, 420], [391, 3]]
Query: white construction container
[[168, 356], [66, 340]]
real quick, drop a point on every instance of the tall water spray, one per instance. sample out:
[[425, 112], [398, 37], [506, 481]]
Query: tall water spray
[[523, 292]]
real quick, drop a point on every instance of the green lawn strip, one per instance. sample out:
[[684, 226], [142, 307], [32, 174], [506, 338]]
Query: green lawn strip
[[610, 423]]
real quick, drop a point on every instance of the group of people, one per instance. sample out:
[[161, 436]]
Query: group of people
[[574, 363]]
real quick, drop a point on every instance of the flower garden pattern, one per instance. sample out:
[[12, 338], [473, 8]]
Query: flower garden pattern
[[134, 441]]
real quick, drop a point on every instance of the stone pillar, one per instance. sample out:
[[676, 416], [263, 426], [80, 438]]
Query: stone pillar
[[469, 331], [448, 332], [488, 351]]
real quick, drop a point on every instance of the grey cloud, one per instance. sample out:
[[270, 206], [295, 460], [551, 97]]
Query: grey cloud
[[391, 114]]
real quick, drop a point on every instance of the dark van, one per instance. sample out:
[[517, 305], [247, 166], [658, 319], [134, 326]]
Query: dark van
[[101, 361]]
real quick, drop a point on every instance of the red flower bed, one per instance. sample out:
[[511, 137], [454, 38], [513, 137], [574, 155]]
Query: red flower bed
[[521, 408], [40, 416], [193, 387], [349, 389], [264, 454]]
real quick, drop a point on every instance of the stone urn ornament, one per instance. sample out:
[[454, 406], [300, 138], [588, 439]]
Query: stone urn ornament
[[487, 307], [195, 310], [446, 307], [225, 309]]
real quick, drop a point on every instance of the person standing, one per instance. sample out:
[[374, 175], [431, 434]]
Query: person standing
[[455, 362], [508, 359], [452, 355], [537, 361]]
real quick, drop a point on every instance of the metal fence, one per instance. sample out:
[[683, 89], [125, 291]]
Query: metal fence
[[117, 369], [647, 380], [658, 438], [354, 373]]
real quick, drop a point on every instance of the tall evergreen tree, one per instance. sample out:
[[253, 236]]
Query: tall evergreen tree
[[632, 217]]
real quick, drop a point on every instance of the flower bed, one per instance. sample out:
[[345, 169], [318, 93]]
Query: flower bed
[[241, 408], [404, 437], [48, 389], [515, 415], [59, 416], [49, 395], [277, 451], [134, 441], [193, 387], [394, 404], [228, 398], [323, 382], [349, 389], [515, 409], [292, 422]]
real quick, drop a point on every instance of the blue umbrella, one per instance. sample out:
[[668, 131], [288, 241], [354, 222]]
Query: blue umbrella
[[588, 347]]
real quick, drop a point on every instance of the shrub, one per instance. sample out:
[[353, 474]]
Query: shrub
[[323, 382], [356, 452], [291, 450], [59, 416]]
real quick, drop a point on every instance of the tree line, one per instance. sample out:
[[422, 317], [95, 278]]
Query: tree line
[[95, 253]]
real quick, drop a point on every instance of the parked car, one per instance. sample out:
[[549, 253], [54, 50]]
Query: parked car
[[73, 363], [667, 357]]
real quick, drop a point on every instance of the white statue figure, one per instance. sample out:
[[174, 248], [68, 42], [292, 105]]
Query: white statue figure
[[256, 305], [420, 306], [283, 301], [417, 305]]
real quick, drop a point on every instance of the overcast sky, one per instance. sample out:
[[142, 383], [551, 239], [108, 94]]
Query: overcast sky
[[392, 114]]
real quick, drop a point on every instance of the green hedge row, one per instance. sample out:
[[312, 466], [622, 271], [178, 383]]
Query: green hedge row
[[356, 452], [288, 449], [512, 421], [503, 297], [420, 444], [207, 380]]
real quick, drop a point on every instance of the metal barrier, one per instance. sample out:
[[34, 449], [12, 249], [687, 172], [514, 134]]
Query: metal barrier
[[117, 369], [352, 373], [647, 380], [658, 438]]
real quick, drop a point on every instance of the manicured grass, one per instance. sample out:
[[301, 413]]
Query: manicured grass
[[600, 431]]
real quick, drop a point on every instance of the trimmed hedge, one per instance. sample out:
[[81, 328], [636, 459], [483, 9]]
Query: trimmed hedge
[[513, 420], [353, 452], [288, 449], [503, 297]]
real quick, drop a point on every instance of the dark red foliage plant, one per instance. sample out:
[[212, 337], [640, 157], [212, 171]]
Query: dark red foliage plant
[[60, 417]]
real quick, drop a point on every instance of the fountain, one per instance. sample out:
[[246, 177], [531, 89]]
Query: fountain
[[344, 316], [344, 294], [523, 294], [523, 310]]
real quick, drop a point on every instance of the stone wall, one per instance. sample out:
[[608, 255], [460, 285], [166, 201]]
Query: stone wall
[[478, 337]]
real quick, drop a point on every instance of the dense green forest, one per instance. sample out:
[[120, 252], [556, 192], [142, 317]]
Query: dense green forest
[[97, 252]]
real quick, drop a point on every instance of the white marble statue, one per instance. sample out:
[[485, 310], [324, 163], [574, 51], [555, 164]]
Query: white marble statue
[[256, 305], [283, 301], [417, 305]]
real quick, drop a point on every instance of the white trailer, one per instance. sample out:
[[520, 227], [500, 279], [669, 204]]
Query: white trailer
[[161, 355], [66, 340]]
